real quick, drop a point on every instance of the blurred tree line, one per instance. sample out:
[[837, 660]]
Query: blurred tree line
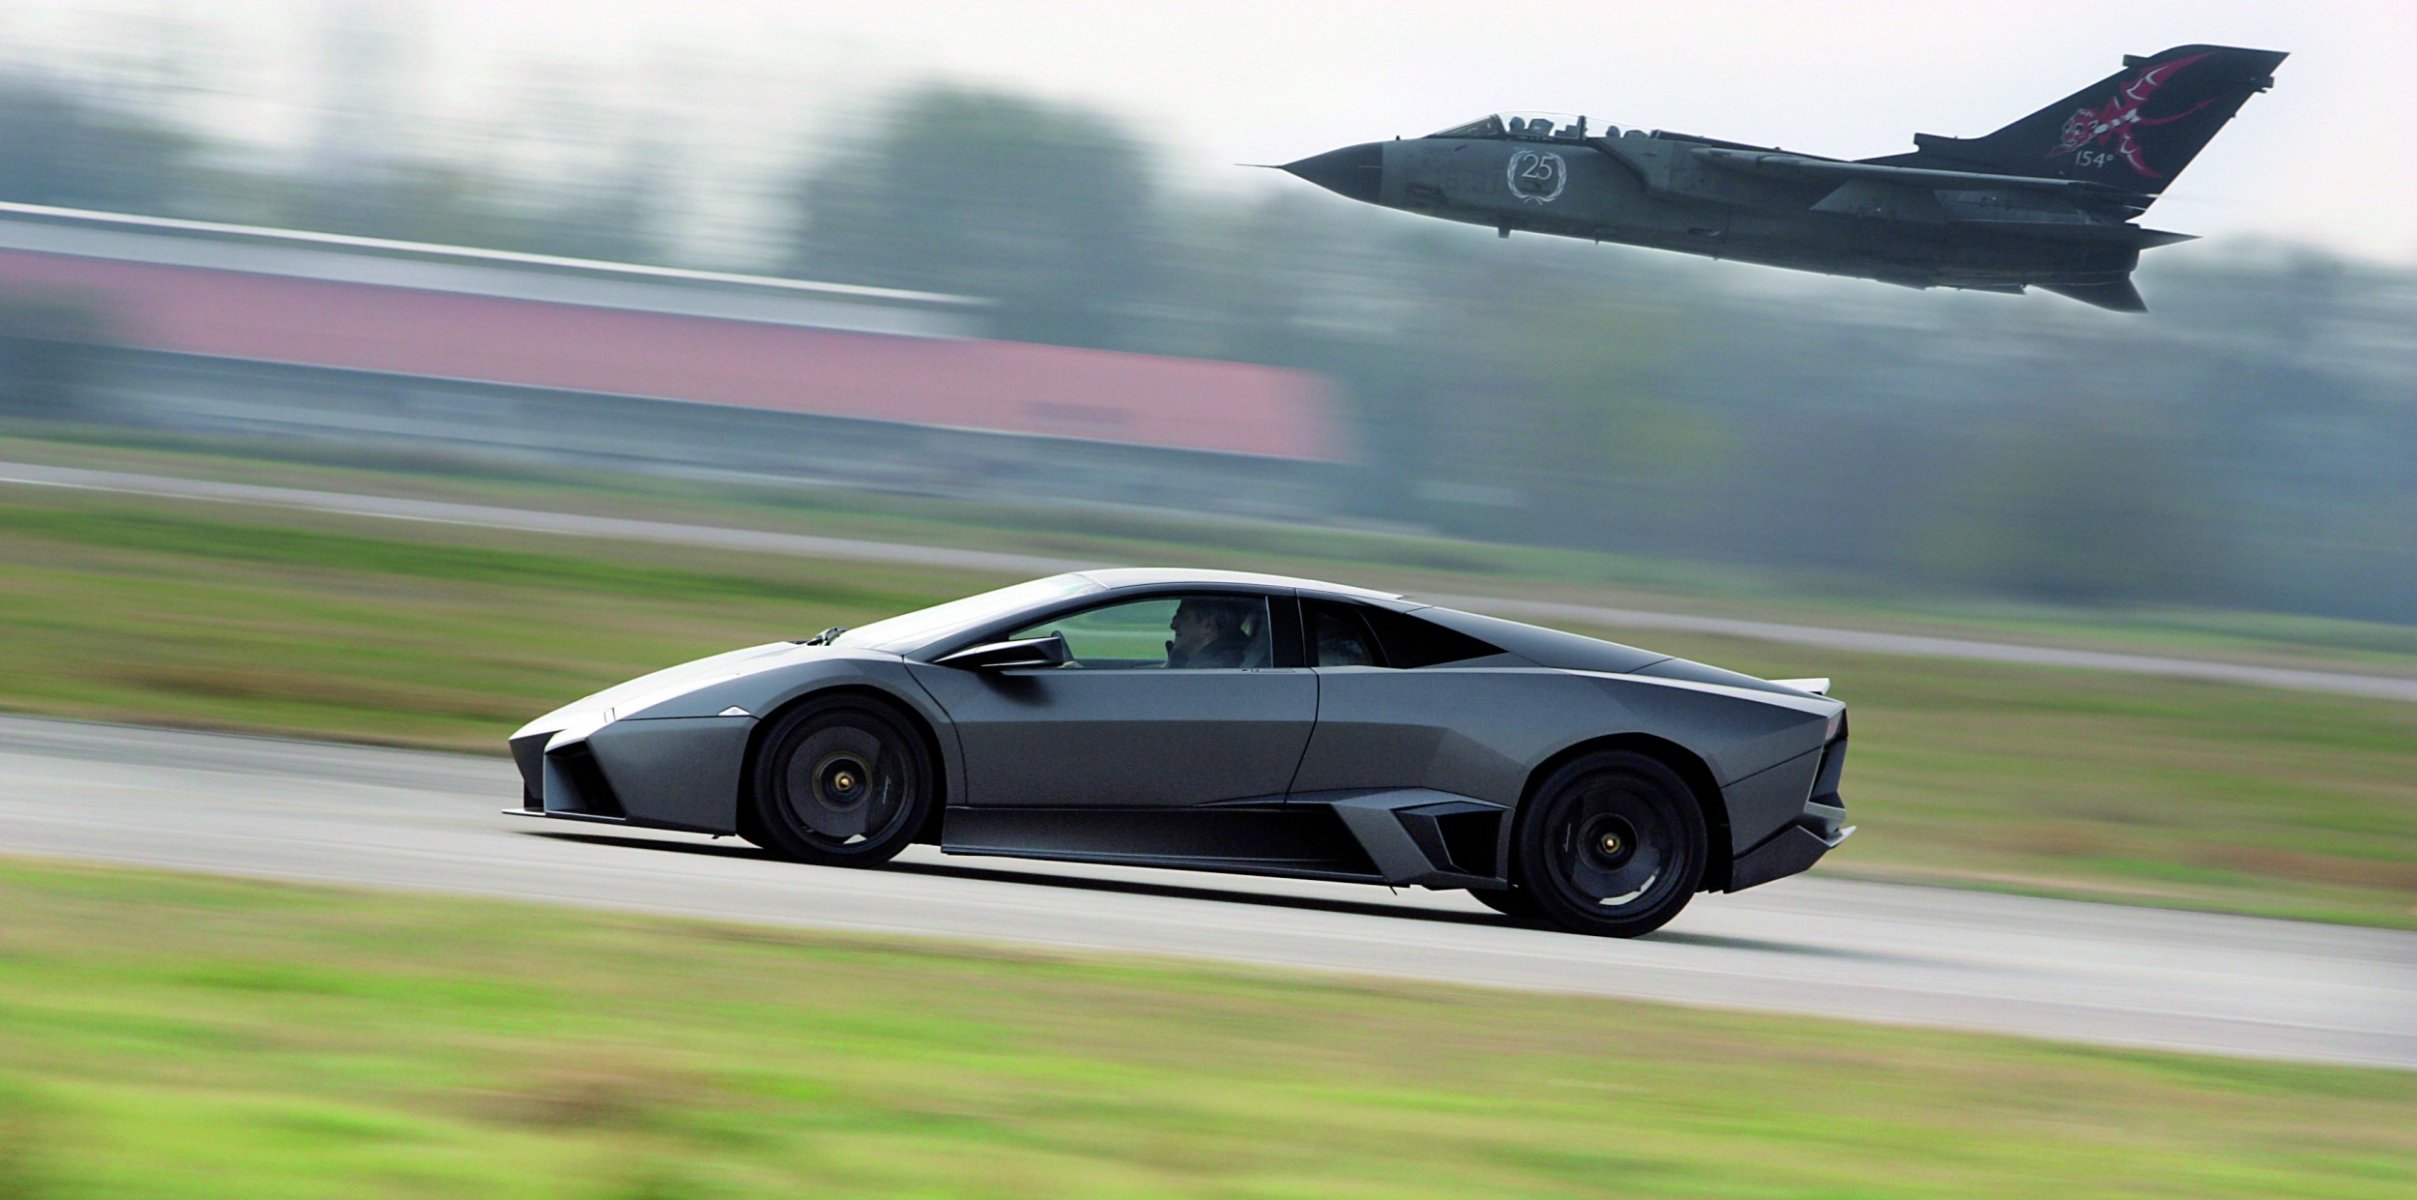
[[2248, 444], [74, 143]]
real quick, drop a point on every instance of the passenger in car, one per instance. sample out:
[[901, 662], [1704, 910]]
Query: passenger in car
[[1209, 633], [1339, 645]]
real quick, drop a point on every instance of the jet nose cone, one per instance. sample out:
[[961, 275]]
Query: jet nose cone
[[1354, 171]]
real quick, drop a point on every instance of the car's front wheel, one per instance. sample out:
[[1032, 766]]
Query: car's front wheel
[[1612, 844], [841, 782]]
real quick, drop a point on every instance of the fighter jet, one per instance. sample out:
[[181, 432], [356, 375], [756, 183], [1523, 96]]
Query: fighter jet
[[2045, 202]]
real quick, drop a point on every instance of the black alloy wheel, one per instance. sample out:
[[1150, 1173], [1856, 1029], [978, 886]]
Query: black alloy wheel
[[1611, 844], [842, 782]]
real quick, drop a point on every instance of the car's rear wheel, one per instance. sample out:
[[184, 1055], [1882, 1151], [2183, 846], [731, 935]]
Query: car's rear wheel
[[842, 782], [1611, 844]]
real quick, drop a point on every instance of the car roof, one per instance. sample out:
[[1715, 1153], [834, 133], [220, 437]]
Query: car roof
[[1115, 578]]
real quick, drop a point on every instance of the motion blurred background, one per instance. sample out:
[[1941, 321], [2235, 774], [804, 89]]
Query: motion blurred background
[[945, 278], [1057, 258]]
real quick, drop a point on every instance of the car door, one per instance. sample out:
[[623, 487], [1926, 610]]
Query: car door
[[1404, 703], [1128, 721]]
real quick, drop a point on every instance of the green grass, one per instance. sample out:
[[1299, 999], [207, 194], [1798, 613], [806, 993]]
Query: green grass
[[417, 634], [169, 1036], [2087, 783], [1397, 560]]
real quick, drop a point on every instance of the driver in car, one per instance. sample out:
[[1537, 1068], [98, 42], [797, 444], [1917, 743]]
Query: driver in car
[[1208, 634]]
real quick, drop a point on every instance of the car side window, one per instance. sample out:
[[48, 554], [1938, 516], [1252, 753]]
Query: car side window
[[1345, 635], [1179, 632], [1339, 637]]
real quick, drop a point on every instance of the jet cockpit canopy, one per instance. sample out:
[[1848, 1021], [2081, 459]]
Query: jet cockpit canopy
[[1530, 126]]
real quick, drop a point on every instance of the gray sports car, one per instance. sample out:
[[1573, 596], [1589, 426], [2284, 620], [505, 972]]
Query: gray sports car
[[1227, 722]]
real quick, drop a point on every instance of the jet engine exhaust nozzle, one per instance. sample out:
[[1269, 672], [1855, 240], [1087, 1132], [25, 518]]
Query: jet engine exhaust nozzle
[[1354, 171]]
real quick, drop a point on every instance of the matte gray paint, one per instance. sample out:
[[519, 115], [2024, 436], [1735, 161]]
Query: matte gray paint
[[1475, 733], [1735, 732], [772, 684], [1138, 738], [1182, 739], [1293, 840], [1793, 849], [680, 771], [762, 684], [1481, 733], [1767, 801], [1374, 818]]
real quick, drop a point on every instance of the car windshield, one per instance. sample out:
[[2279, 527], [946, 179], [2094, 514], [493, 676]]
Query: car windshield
[[922, 627], [1530, 126]]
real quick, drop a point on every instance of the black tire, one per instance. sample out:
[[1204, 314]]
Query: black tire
[[1510, 902], [1611, 844], [842, 782]]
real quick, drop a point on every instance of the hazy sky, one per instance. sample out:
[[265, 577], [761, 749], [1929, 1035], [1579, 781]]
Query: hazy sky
[[2325, 157]]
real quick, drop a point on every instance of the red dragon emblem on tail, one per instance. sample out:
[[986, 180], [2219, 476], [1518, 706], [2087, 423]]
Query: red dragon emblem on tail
[[2116, 120]]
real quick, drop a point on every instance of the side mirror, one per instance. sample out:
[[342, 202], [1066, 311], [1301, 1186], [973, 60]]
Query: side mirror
[[999, 656]]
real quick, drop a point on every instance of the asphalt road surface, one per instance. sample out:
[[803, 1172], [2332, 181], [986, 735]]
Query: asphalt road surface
[[483, 516], [1927, 956]]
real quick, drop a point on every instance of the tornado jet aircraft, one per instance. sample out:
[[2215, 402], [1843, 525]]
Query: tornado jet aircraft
[[2045, 202]]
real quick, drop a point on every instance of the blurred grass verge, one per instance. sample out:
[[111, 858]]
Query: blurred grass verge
[[1398, 560], [165, 1035], [2064, 782]]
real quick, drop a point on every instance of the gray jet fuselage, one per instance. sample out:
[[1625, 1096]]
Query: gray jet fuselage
[[1646, 189], [2047, 201]]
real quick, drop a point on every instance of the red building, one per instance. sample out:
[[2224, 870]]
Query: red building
[[226, 327]]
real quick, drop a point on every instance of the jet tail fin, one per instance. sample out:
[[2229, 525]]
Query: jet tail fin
[[2121, 295], [2135, 129]]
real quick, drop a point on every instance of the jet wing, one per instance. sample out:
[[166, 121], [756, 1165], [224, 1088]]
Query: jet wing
[[1800, 169], [2063, 210]]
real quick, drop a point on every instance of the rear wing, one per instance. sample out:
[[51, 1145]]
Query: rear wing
[[2133, 130]]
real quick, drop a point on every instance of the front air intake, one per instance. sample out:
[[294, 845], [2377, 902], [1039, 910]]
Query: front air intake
[[576, 784], [1833, 765]]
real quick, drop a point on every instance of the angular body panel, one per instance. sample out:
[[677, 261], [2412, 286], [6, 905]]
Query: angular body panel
[[679, 773], [1477, 732], [1409, 756], [1769, 800], [1162, 739]]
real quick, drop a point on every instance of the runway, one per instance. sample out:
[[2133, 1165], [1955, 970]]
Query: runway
[[483, 516], [383, 818]]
